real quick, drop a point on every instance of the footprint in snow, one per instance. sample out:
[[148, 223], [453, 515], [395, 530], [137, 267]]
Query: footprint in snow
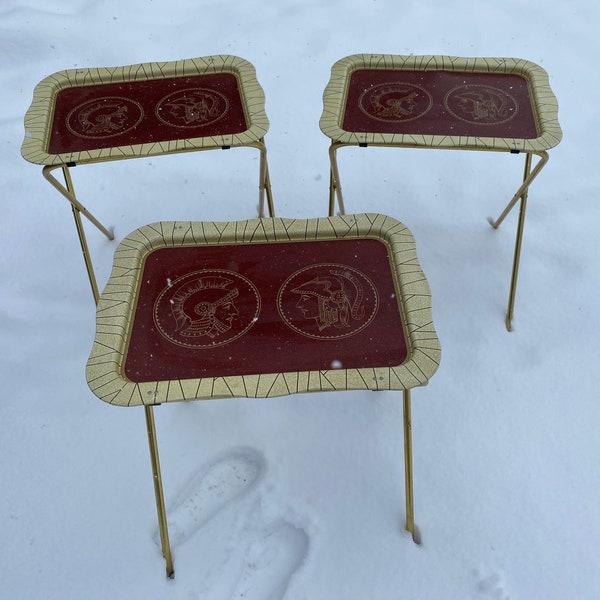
[[491, 586], [270, 562], [212, 489]]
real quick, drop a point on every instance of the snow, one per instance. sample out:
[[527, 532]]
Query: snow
[[505, 436]]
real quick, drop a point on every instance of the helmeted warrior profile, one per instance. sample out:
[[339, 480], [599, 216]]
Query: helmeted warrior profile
[[485, 104], [103, 118], [196, 107], [205, 307], [394, 101], [331, 300]]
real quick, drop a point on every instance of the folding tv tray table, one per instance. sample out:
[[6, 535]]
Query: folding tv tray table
[[263, 308], [443, 102], [86, 116]]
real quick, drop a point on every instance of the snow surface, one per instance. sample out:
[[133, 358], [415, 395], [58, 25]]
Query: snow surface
[[506, 443]]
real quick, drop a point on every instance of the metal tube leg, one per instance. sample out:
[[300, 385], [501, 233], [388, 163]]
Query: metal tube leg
[[331, 212], [408, 470], [264, 184], [528, 178], [70, 196], [268, 191], [158, 491], [335, 186], [82, 237], [86, 255], [518, 243]]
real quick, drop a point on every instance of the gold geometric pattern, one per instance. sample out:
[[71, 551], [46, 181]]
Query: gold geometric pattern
[[105, 367]]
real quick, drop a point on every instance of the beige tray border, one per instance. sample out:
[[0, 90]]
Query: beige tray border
[[38, 118], [104, 371], [544, 102]]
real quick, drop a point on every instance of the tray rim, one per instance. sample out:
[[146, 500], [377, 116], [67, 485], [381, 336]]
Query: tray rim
[[544, 102], [38, 117], [104, 370]]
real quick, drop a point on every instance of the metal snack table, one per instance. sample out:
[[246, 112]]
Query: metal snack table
[[263, 308], [86, 116], [443, 102]]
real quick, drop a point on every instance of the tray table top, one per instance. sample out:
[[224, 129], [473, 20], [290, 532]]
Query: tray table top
[[90, 115], [263, 308], [440, 102]]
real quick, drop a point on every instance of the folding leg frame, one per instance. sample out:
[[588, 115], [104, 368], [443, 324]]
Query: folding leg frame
[[160, 501], [528, 176], [68, 191], [78, 209], [335, 193]]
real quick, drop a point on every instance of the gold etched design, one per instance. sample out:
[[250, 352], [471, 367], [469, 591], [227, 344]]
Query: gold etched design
[[327, 301], [40, 114], [395, 102], [207, 308], [104, 117], [543, 101], [481, 104], [192, 107], [116, 310]]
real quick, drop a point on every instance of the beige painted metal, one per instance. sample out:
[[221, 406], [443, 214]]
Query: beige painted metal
[[38, 122], [116, 308], [544, 103]]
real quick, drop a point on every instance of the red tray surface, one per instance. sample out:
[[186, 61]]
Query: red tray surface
[[439, 103], [209, 311], [155, 110]]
